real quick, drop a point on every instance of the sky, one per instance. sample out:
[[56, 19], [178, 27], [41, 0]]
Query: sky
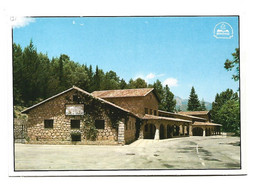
[[179, 51]]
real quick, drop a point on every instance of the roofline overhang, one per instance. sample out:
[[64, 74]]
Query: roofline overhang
[[172, 113]]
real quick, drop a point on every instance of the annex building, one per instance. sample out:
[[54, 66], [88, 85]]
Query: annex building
[[110, 117]]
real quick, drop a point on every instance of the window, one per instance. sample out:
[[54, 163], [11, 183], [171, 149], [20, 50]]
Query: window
[[100, 124], [75, 98], [151, 111], [146, 110], [155, 112], [74, 124], [48, 123]]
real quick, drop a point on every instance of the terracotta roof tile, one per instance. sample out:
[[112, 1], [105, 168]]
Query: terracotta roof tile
[[122, 93], [206, 123], [152, 117], [177, 114], [194, 112]]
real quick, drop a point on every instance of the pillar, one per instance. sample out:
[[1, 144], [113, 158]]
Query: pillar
[[180, 130], [204, 132], [157, 133], [121, 133], [141, 132], [190, 130]]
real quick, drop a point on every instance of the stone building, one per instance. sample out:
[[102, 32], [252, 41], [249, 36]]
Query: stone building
[[75, 116]]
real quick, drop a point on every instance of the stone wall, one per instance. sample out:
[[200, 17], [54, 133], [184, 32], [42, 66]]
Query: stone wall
[[19, 130], [130, 130], [61, 132], [137, 105]]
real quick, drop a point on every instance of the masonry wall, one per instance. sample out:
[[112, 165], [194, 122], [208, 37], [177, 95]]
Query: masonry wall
[[61, 131], [137, 104], [130, 130]]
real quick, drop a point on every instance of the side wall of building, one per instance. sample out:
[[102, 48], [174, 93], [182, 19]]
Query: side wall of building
[[137, 105]]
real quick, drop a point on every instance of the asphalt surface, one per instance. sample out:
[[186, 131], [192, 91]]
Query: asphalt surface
[[214, 152]]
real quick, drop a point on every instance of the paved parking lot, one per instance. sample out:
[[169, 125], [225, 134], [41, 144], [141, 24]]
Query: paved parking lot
[[215, 152]]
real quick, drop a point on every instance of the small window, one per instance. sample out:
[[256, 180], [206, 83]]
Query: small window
[[146, 110], [75, 124], [155, 112], [100, 124], [75, 98], [151, 111], [48, 123]]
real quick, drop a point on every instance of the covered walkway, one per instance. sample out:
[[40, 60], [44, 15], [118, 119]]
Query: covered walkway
[[158, 127], [205, 129]]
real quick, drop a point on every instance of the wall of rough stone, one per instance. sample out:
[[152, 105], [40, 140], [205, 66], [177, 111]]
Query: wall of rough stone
[[137, 105], [130, 130], [61, 131], [19, 130]]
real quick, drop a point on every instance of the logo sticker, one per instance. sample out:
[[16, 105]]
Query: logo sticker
[[223, 30]]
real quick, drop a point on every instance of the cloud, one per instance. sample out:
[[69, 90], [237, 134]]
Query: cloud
[[18, 22], [171, 82], [150, 76], [73, 22]]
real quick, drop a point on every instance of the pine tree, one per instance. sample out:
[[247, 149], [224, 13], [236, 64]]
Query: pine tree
[[193, 103], [203, 106], [168, 101]]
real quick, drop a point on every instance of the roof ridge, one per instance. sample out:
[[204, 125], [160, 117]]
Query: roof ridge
[[124, 89]]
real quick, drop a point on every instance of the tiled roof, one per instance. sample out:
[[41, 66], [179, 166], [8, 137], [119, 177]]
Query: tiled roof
[[183, 115], [206, 124], [194, 113], [83, 91], [152, 117], [122, 93]]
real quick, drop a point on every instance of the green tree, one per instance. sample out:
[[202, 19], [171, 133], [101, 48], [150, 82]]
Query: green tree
[[31, 70], [158, 87], [122, 84], [229, 116], [18, 74], [230, 64], [138, 83], [168, 101], [203, 106], [193, 102], [220, 100], [97, 80], [110, 81]]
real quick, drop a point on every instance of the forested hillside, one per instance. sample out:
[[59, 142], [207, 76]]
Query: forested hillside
[[36, 77]]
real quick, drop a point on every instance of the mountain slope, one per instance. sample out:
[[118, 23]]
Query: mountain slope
[[182, 104]]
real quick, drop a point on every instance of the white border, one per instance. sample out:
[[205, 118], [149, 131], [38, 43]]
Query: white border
[[249, 17]]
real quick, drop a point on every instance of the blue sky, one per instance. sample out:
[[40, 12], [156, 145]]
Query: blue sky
[[179, 51]]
